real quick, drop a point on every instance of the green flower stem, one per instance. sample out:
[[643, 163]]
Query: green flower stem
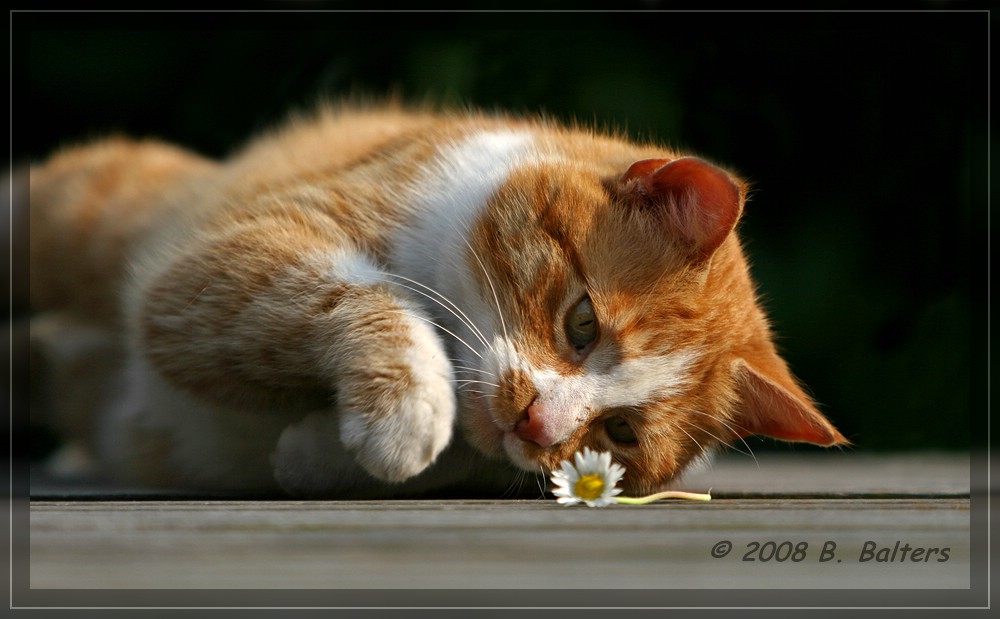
[[669, 494]]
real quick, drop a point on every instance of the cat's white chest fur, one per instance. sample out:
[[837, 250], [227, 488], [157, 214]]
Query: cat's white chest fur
[[449, 194]]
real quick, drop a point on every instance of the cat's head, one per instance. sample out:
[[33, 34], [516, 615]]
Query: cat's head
[[625, 320]]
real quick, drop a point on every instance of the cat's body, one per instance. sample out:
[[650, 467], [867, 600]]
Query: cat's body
[[350, 297]]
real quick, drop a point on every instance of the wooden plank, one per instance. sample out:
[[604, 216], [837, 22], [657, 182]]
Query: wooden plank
[[498, 544], [869, 513]]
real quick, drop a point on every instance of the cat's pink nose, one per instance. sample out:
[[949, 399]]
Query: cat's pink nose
[[531, 427]]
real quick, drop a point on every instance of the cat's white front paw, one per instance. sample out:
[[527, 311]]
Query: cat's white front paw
[[396, 414], [399, 432]]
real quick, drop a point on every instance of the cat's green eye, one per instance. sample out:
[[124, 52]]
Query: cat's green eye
[[620, 431], [581, 324]]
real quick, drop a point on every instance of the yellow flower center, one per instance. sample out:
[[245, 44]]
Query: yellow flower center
[[589, 487]]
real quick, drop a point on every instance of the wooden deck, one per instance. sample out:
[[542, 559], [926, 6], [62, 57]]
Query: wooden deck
[[898, 526]]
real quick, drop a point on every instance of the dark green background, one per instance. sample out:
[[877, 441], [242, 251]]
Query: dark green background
[[863, 135]]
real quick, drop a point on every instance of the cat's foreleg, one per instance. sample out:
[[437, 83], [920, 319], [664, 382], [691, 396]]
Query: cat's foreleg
[[285, 314], [395, 400]]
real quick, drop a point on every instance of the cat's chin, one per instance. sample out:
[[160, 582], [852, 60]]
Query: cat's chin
[[518, 452]]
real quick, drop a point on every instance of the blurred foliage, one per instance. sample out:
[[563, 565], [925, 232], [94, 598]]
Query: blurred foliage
[[864, 136]]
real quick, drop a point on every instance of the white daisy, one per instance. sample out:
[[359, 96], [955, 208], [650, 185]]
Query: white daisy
[[593, 480]]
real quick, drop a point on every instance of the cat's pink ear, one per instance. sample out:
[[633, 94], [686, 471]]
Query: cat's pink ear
[[701, 202], [773, 405]]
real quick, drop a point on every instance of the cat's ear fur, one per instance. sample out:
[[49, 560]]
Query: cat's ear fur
[[772, 404], [700, 202]]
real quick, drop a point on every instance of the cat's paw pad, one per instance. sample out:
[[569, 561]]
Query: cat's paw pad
[[398, 423]]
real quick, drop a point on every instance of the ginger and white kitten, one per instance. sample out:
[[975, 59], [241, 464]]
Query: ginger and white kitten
[[378, 301]]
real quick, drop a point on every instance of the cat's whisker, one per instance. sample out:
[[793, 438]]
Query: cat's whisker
[[478, 392], [749, 451], [431, 322], [725, 443], [473, 393], [522, 478], [476, 396], [509, 491], [468, 369], [463, 375], [514, 488], [456, 312], [722, 421], [470, 381], [445, 302], [540, 481], [489, 280], [696, 442]]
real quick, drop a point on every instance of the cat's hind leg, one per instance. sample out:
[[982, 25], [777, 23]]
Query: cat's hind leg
[[73, 365]]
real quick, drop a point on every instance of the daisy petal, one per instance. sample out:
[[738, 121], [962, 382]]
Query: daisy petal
[[604, 460], [590, 472]]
